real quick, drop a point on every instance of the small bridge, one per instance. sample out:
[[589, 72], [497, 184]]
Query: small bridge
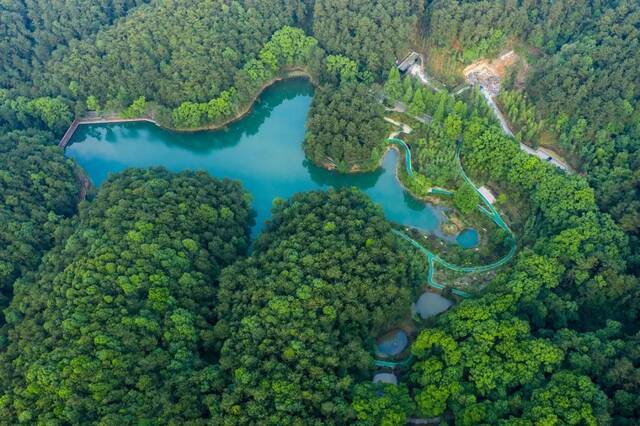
[[92, 119], [67, 135]]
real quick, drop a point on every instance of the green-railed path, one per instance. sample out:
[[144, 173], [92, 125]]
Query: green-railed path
[[486, 209]]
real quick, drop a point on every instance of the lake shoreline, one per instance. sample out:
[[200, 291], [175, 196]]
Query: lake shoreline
[[108, 119], [288, 75]]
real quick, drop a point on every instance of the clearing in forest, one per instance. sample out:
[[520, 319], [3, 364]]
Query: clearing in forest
[[490, 73]]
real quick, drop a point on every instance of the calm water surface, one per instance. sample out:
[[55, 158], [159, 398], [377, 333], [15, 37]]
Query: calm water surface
[[392, 344], [468, 238], [263, 150], [430, 304]]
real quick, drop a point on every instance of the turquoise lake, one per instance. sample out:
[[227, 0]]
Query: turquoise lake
[[264, 151]]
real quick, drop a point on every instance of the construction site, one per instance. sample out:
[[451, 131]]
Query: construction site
[[489, 74]]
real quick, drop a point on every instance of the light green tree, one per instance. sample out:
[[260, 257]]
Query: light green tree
[[92, 104], [393, 86], [137, 109]]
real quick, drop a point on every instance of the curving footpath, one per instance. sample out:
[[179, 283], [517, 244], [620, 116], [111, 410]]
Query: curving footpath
[[433, 258]]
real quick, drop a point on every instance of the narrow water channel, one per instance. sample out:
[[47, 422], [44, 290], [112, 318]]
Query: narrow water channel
[[264, 151]]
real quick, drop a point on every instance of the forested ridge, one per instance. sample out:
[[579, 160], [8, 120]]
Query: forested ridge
[[39, 191], [147, 303], [117, 324], [30, 30], [325, 278]]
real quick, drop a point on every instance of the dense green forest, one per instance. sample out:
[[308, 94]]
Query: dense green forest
[[30, 30], [302, 311], [147, 54], [372, 32], [584, 82], [117, 325], [144, 301], [39, 191], [345, 128]]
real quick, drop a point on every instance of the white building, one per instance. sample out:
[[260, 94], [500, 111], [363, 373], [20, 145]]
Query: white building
[[486, 193]]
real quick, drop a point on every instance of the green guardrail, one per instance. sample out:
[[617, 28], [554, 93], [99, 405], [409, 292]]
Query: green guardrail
[[407, 153], [486, 209], [440, 191], [394, 364]]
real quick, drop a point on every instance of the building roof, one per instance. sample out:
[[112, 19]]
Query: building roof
[[409, 60], [486, 193]]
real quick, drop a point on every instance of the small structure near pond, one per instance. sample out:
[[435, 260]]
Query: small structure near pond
[[487, 194], [392, 344], [430, 304]]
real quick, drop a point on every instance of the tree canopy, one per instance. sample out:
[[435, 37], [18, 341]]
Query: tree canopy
[[117, 325], [325, 277], [39, 191], [345, 129], [142, 305]]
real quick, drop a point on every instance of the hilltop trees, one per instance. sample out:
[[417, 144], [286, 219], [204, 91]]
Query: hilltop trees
[[38, 191], [300, 313], [588, 90], [116, 326], [382, 404], [614, 369], [121, 314], [373, 33], [480, 352], [567, 399], [393, 85], [484, 364], [30, 30], [288, 48], [147, 54], [345, 128], [19, 112], [465, 199]]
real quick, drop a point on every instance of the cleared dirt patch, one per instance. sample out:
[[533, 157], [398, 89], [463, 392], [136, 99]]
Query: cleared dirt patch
[[488, 73]]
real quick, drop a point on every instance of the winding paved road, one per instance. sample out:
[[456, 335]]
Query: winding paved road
[[541, 153], [417, 70]]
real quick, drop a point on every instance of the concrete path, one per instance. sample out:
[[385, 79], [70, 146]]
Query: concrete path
[[542, 153], [405, 127]]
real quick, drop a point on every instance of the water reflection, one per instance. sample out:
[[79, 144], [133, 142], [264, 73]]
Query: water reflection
[[264, 151]]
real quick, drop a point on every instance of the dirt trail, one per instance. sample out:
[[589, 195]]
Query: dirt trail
[[405, 128]]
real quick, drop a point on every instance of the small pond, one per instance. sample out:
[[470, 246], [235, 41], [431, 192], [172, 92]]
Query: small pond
[[430, 304], [388, 378], [468, 238], [391, 344]]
